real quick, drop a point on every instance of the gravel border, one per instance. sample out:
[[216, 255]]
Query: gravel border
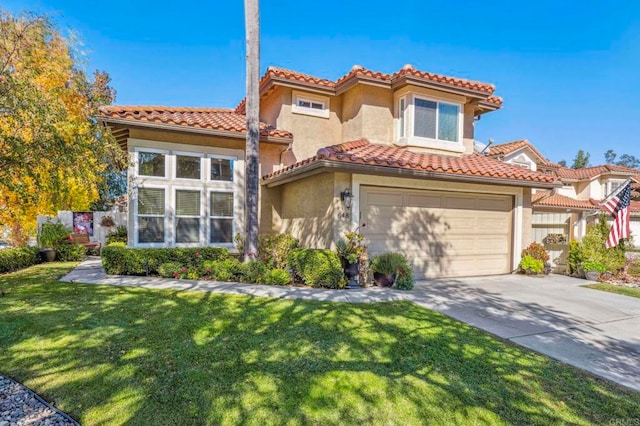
[[20, 406]]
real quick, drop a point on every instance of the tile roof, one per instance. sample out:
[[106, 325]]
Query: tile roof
[[509, 147], [206, 118], [586, 173], [362, 152], [547, 199]]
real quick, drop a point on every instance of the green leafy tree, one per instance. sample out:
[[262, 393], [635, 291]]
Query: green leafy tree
[[53, 154], [581, 160], [626, 160]]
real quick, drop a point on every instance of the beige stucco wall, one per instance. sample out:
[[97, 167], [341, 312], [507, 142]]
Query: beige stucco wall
[[527, 218]]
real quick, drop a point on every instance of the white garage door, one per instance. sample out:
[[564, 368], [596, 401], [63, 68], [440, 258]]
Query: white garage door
[[443, 234]]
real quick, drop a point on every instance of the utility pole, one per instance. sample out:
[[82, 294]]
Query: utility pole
[[252, 30]]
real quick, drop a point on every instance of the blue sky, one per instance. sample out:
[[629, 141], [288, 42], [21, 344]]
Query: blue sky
[[568, 70]]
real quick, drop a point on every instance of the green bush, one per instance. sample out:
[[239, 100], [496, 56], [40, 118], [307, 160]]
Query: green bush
[[253, 271], [52, 235], [634, 269], [12, 259], [316, 267], [404, 281], [589, 266], [276, 248], [277, 277], [70, 252], [119, 260], [537, 251], [531, 265], [592, 248], [222, 270], [575, 257], [118, 236], [170, 270]]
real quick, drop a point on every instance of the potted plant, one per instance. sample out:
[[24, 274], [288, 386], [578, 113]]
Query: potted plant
[[387, 267], [593, 270], [350, 250], [49, 238], [107, 222]]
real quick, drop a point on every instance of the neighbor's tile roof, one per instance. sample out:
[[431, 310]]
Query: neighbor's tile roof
[[207, 118], [594, 171], [276, 73], [362, 152], [546, 199], [509, 147]]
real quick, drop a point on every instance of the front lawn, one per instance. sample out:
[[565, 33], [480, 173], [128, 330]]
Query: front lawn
[[611, 288], [113, 355]]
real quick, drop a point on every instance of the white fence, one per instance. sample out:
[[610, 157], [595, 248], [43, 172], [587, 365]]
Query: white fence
[[99, 232]]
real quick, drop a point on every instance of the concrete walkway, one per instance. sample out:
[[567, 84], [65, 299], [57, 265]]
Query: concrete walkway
[[595, 331]]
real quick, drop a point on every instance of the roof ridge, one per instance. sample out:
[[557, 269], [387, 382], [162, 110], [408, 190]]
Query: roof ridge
[[129, 108]]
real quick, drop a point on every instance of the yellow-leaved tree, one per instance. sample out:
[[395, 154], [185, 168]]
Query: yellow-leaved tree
[[53, 153]]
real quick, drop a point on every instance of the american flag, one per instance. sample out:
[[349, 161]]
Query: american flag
[[618, 207]]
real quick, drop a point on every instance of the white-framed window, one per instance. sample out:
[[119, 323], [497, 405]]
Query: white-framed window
[[222, 168], [151, 215], [188, 166], [609, 186], [310, 104], [151, 162], [221, 217], [188, 226], [429, 122]]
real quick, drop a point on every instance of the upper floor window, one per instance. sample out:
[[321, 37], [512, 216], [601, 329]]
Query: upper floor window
[[151, 164], [188, 167], [429, 123], [310, 104], [610, 186], [222, 169]]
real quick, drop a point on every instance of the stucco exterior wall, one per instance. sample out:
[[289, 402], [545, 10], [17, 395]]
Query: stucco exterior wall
[[306, 210]]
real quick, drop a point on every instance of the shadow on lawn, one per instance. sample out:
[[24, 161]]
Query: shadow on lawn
[[113, 355]]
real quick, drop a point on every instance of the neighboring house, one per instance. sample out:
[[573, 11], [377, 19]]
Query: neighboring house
[[568, 209], [401, 145]]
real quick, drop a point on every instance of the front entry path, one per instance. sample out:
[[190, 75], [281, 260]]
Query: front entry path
[[595, 331]]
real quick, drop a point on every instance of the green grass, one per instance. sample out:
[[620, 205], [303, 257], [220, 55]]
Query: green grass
[[627, 291], [110, 355]]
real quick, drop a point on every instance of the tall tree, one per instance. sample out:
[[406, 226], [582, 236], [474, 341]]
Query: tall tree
[[626, 160], [581, 160], [610, 156], [252, 30], [52, 151]]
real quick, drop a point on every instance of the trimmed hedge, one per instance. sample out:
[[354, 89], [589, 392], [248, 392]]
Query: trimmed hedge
[[12, 259], [119, 260], [69, 252], [317, 267]]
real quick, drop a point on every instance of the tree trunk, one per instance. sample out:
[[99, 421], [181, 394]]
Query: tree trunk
[[252, 28]]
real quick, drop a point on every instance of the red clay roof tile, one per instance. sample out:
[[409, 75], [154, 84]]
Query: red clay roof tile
[[208, 118], [546, 199], [363, 152], [509, 147]]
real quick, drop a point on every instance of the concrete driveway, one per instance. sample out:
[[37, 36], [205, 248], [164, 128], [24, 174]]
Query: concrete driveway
[[590, 329]]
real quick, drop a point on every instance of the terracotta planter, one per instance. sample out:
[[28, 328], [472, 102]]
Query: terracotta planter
[[384, 280]]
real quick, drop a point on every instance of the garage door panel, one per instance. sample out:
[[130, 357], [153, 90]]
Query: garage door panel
[[470, 237]]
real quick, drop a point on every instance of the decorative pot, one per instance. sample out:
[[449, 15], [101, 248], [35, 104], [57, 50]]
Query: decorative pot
[[592, 275], [47, 255], [384, 280], [352, 270]]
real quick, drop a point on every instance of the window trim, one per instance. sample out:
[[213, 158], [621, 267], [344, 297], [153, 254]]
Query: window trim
[[208, 179], [136, 223], [174, 159], [174, 241], [210, 216], [298, 96], [136, 164], [409, 137]]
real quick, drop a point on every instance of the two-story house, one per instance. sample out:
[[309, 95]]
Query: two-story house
[[391, 153], [570, 208]]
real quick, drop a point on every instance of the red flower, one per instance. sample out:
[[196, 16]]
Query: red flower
[[184, 269], [175, 275], [197, 254], [208, 270]]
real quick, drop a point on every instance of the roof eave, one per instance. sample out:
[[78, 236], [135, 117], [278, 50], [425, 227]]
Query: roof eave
[[319, 166], [295, 84], [444, 87], [189, 129]]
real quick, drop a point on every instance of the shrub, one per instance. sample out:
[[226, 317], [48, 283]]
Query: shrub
[[170, 270], [575, 257], [277, 277], [119, 260], [276, 248], [222, 270], [117, 236], [537, 251], [317, 267], [589, 266], [531, 265], [70, 252], [592, 247], [350, 250], [634, 269], [12, 259], [52, 235], [253, 271]]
